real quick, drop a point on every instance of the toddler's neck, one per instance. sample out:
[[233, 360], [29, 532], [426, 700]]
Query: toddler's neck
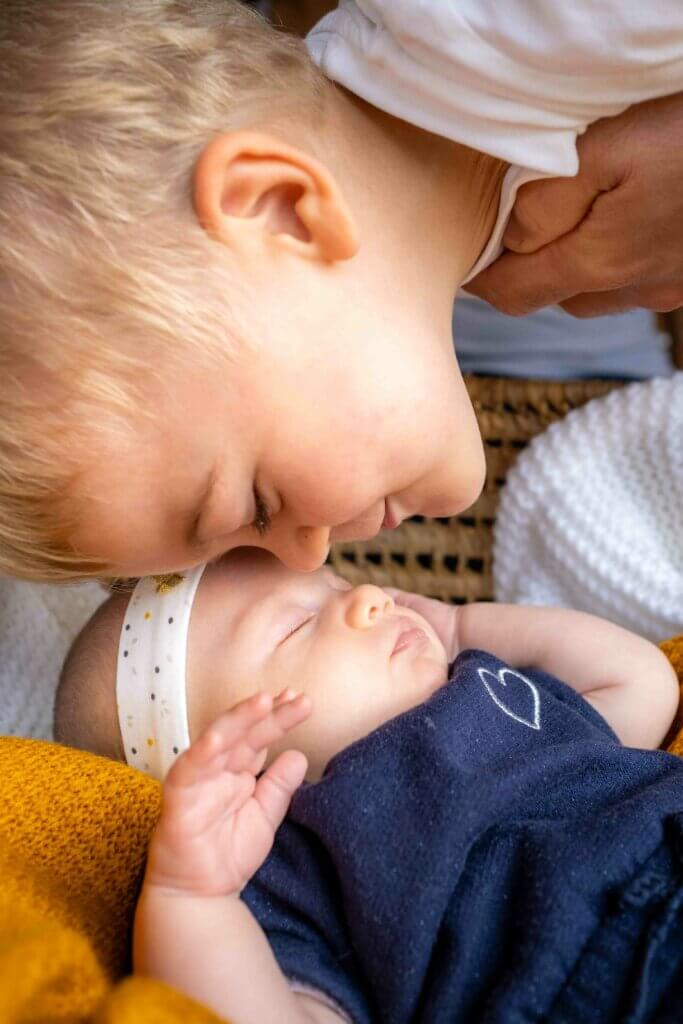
[[423, 194]]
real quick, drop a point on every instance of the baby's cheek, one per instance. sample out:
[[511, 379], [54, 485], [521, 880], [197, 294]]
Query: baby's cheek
[[307, 739]]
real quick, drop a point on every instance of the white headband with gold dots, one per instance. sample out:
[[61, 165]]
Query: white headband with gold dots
[[151, 694]]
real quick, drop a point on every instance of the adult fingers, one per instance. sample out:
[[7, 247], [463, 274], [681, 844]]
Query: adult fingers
[[659, 299], [547, 209], [518, 284], [629, 240], [591, 258]]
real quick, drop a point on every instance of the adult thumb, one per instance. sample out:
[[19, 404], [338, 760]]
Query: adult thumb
[[519, 283], [546, 209]]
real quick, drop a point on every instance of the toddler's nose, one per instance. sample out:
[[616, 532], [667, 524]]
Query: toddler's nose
[[302, 548], [366, 605]]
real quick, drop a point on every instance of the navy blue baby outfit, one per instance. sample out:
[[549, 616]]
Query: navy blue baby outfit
[[494, 855]]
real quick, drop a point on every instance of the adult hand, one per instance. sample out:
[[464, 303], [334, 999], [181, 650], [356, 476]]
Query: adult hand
[[609, 239]]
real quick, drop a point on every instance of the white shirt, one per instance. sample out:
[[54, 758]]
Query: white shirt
[[519, 79]]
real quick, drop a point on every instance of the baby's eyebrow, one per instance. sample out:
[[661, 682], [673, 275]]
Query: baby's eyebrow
[[261, 617], [257, 612]]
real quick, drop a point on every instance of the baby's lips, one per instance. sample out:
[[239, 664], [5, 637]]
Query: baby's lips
[[409, 635]]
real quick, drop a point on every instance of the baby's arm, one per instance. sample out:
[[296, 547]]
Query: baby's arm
[[626, 678], [216, 828]]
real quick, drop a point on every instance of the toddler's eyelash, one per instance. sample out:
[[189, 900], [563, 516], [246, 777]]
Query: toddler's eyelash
[[261, 522]]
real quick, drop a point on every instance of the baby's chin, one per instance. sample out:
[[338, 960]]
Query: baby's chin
[[440, 677], [425, 676]]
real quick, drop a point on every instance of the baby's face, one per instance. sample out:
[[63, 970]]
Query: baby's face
[[259, 626]]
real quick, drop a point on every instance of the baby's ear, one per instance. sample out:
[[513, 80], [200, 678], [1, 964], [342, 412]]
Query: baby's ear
[[251, 188]]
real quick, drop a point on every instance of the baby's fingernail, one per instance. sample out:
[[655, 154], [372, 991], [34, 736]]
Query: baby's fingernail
[[288, 694]]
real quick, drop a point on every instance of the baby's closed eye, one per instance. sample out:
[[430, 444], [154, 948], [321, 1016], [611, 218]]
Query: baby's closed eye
[[292, 624]]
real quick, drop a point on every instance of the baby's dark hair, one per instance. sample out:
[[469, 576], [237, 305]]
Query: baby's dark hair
[[85, 714]]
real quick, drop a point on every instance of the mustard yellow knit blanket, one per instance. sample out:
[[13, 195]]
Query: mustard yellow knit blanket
[[74, 829], [73, 834]]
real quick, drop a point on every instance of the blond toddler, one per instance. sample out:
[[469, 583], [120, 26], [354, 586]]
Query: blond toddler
[[226, 283]]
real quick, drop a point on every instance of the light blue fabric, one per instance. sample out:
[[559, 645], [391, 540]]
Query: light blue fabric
[[551, 344]]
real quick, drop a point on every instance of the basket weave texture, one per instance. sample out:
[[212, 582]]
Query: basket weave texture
[[451, 558]]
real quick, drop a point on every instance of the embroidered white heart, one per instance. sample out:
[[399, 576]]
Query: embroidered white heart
[[529, 695]]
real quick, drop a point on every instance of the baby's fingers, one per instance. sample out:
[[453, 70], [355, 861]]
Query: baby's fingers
[[238, 740], [288, 711], [275, 788], [205, 757]]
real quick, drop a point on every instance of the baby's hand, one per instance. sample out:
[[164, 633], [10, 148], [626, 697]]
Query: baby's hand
[[217, 820]]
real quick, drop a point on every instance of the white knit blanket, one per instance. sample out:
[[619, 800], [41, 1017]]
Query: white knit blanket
[[37, 625], [591, 516]]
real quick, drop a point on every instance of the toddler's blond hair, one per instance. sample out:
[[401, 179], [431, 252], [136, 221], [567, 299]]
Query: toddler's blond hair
[[104, 270]]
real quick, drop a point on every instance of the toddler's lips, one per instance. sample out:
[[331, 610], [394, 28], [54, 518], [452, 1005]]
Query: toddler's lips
[[409, 635]]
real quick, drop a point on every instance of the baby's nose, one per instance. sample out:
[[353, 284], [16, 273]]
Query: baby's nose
[[366, 605]]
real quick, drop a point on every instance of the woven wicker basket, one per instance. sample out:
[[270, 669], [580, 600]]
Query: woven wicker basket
[[451, 558]]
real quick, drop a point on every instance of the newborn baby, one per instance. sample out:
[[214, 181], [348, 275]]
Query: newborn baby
[[474, 842]]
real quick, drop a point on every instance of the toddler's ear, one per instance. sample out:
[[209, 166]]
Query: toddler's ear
[[250, 187]]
